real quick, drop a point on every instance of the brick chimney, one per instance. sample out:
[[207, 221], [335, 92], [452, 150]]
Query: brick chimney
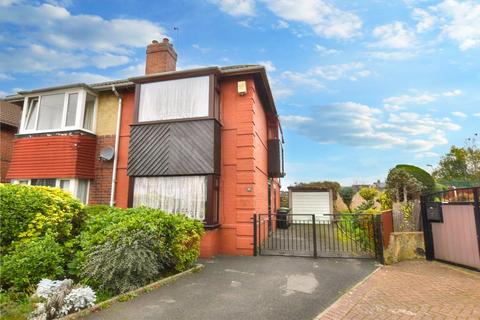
[[161, 57]]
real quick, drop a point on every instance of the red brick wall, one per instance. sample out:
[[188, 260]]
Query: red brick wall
[[244, 171], [101, 186], [58, 156], [7, 135]]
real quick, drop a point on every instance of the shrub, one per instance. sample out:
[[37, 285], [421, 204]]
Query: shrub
[[30, 262], [368, 193], [421, 175], [177, 236], [128, 262], [29, 212], [385, 201]]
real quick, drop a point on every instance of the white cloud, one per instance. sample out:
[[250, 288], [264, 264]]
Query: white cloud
[[323, 17], [359, 125], [405, 99], [477, 114], [392, 55], [326, 51], [269, 66], [236, 7], [79, 77], [459, 114], [314, 77], [57, 39], [133, 70], [394, 36], [392, 107], [108, 60], [452, 93], [426, 21], [460, 22], [299, 78]]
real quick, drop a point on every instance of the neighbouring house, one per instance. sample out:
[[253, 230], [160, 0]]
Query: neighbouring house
[[205, 142], [10, 115], [306, 201]]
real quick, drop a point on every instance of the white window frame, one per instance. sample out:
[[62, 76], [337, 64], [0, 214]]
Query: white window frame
[[80, 112], [72, 188]]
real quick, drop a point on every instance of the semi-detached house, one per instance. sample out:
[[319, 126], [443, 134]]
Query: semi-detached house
[[203, 142]]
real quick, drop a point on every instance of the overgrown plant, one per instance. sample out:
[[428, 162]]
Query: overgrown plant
[[28, 212], [402, 186], [127, 262], [30, 262], [368, 194]]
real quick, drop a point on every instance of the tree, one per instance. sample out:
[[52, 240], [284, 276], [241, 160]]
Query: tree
[[461, 165], [368, 193], [401, 185], [347, 194], [421, 175]]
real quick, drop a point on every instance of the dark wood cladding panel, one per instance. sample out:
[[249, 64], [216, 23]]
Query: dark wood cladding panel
[[174, 148], [275, 158]]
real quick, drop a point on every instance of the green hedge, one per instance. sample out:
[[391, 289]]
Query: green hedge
[[30, 262], [28, 212], [421, 175]]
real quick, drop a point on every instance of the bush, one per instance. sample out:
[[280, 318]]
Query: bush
[[30, 262], [385, 201], [128, 262], [368, 193], [421, 175], [177, 237], [28, 212]]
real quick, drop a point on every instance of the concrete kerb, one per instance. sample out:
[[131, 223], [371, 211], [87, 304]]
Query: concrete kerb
[[131, 294], [324, 312]]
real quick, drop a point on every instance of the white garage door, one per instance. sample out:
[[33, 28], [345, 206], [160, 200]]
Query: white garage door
[[317, 203]]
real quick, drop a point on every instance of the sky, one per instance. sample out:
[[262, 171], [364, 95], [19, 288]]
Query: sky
[[360, 86]]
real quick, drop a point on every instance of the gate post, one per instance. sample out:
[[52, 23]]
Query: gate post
[[427, 229], [314, 237], [378, 236], [254, 234]]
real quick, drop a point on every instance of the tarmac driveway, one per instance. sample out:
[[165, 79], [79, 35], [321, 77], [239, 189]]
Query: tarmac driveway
[[248, 288]]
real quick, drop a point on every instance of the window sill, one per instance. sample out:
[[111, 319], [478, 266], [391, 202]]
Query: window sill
[[56, 133], [211, 226]]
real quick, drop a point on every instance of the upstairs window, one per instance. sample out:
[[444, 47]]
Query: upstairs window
[[59, 112], [174, 99]]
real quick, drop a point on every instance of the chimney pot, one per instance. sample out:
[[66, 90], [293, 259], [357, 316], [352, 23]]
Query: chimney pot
[[154, 41], [165, 40]]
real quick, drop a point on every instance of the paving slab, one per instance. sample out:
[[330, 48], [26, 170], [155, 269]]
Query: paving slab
[[412, 290], [248, 288]]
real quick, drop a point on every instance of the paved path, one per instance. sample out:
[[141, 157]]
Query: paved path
[[248, 288], [412, 290]]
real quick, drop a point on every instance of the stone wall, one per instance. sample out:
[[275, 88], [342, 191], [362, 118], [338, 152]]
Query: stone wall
[[404, 246]]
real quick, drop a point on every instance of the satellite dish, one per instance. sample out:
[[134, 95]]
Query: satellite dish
[[107, 153]]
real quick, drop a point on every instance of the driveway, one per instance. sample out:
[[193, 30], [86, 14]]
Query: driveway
[[412, 290], [248, 288]]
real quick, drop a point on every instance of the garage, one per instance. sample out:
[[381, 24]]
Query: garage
[[311, 201]]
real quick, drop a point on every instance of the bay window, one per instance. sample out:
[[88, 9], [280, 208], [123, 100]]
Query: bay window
[[178, 194], [59, 111], [174, 99], [77, 187]]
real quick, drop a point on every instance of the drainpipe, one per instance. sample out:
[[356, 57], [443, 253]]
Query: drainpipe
[[117, 142]]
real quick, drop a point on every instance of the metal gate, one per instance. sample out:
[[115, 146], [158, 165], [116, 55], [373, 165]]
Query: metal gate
[[451, 226], [339, 236]]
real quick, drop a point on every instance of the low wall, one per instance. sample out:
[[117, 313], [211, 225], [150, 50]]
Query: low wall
[[404, 246]]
